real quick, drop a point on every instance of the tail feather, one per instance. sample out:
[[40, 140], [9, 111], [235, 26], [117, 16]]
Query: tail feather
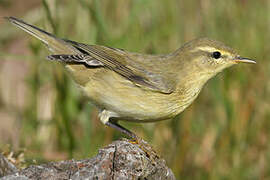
[[54, 44]]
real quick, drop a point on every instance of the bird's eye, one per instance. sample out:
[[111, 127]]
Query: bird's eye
[[216, 54]]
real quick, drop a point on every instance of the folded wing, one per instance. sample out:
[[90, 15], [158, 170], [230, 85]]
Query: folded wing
[[114, 59]]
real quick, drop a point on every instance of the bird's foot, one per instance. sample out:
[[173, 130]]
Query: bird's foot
[[136, 140], [145, 147]]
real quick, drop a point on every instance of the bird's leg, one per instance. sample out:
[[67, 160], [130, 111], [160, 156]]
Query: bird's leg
[[115, 125], [134, 138], [106, 118]]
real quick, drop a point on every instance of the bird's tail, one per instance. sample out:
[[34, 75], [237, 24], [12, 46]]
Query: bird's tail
[[56, 45]]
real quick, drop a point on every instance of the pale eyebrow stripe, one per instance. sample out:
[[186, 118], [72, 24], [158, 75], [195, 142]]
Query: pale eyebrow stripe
[[209, 49]]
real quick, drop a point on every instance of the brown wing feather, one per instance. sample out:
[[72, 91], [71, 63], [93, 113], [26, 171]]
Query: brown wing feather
[[111, 58], [117, 62]]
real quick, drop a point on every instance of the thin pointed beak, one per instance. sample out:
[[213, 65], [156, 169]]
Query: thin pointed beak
[[244, 60]]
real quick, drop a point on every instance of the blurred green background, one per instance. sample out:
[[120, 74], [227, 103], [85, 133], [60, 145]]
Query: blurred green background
[[224, 134]]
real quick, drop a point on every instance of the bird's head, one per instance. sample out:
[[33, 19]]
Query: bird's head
[[205, 56]]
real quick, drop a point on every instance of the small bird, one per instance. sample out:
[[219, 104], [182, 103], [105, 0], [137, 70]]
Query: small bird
[[138, 87]]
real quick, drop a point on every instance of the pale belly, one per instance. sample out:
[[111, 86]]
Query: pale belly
[[132, 103], [110, 91]]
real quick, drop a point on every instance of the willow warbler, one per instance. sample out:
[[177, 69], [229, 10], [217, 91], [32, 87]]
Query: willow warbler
[[138, 87]]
